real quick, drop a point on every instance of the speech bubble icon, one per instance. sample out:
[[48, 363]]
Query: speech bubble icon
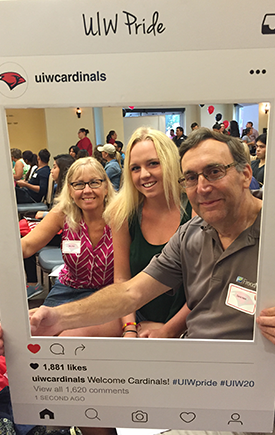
[[187, 417], [57, 349]]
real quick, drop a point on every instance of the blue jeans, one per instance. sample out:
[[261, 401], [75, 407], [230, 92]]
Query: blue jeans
[[61, 294]]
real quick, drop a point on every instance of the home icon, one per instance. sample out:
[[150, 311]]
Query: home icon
[[46, 412]]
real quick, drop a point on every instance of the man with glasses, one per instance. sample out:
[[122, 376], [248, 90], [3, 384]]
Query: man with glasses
[[215, 254]]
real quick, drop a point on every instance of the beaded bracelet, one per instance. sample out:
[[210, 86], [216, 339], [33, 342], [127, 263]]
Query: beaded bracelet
[[128, 324], [129, 330]]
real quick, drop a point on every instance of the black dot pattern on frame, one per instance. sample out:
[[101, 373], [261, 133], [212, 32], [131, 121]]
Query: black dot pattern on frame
[[258, 71]]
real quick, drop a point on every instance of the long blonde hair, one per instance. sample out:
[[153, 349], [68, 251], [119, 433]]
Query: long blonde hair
[[65, 202], [129, 198]]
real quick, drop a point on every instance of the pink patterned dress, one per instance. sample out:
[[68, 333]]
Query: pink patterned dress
[[85, 271]]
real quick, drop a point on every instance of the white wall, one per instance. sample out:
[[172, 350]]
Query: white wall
[[62, 126], [131, 124], [226, 110]]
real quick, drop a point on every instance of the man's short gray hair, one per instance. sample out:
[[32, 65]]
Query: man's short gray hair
[[202, 134]]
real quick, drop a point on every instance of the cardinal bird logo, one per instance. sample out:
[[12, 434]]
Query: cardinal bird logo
[[12, 79]]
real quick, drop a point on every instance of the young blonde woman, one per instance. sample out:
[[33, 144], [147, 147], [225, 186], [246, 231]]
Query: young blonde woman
[[144, 215], [87, 247]]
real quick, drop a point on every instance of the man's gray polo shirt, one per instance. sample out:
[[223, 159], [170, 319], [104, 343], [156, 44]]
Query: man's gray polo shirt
[[195, 256]]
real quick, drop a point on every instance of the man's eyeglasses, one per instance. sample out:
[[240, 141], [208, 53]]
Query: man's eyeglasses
[[211, 173], [93, 184]]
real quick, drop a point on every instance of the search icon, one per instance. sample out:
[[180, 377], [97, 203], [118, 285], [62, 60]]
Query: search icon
[[91, 413]]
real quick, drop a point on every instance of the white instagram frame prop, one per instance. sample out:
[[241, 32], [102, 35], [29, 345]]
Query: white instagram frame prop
[[152, 55]]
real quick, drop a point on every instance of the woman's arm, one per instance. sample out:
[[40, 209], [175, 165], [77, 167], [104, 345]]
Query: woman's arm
[[122, 272], [171, 329], [22, 183], [43, 233], [18, 170]]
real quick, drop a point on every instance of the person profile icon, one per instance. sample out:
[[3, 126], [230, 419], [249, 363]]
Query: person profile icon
[[235, 418]]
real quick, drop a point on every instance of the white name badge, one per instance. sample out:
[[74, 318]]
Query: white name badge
[[241, 299], [71, 246]]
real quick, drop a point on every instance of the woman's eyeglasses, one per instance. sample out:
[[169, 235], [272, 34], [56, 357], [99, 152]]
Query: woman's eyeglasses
[[93, 184]]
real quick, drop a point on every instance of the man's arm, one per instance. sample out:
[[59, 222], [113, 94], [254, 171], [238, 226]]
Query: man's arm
[[105, 305]]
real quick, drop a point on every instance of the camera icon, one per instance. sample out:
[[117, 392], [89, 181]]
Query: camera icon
[[139, 417]]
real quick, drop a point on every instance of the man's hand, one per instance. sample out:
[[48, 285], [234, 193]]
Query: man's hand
[[266, 323], [45, 321]]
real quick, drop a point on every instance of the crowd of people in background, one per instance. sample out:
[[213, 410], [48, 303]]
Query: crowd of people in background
[[249, 136], [31, 171]]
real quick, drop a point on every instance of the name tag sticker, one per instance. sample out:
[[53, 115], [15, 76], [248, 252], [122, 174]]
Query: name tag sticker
[[241, 299], [71, 246]]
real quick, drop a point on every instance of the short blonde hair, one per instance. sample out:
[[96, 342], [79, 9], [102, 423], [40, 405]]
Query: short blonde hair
[[66, 203], [129, 198]]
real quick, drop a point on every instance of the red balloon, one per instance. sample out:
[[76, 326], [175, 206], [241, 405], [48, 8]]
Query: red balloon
[[226, 124], [211, 109]]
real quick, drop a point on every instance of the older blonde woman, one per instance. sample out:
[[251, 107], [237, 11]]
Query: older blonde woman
[[144, 215], [87, 247]]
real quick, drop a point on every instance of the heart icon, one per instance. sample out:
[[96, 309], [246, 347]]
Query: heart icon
[[187, 417], [131, 107], [34, 366], [34, 348]]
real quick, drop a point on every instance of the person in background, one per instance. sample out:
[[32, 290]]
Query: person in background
[[84, 142], [172, 133], [119, 146], [144, 215], [98, 156], [180, 136], [247, 139], [223, 129], [20, 168], [73, 150], [111, 137], [253, 133], [194, 126], [36, 187], [234, 130], [217, 127], [82, 154], [254, 185], [30, 159], [61, 164], [258, 165], [112, 167]]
